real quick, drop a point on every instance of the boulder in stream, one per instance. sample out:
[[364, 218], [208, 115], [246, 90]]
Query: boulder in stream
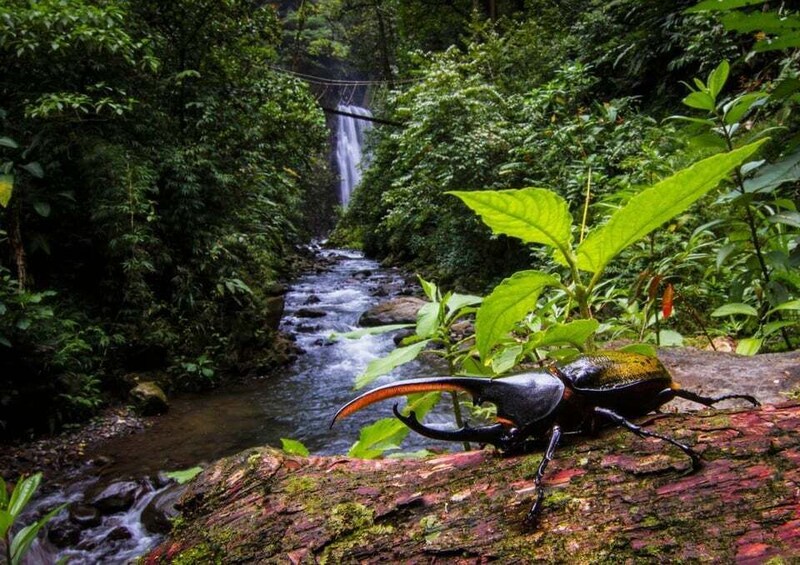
[[149, 398], [116, 497], [401, 310], [158, 514]]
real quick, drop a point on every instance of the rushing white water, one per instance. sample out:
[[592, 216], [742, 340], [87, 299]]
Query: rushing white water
[[350, 157], [297, 404]]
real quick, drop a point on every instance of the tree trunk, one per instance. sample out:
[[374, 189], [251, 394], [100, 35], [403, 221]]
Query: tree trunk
[[614, 497]]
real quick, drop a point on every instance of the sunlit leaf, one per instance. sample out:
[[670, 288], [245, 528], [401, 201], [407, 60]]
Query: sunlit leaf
[[656, 205], [458, 301], [718, 78], [183, 476], [384, 365], [430, 289], [356, 334], [534, 215], [574, 333], [699, 100], [733, 309], [6, 187], [506, 359], [749, 346], [721, 5], [293, 447], [428, 319], [670, 338], [739, 107], [23, 491], [508, 304], [790, 305]]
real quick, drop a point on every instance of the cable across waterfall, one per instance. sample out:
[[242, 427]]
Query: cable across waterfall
[[350, 158]]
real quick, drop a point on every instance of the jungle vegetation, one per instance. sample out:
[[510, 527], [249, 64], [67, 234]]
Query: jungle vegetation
[[160, 162]]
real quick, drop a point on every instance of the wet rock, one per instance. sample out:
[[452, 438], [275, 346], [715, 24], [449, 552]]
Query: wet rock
[[157, 516], [274, 307], [310, 313], [64, 533], [101, 461], [313, 299], [307, 328], [399, 336], [149, 399], [382, 290], [84, 515], [363, 274], [402, 310], [119, 533], [117, 497]]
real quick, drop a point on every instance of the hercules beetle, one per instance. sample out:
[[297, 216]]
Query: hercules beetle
[[606, 387]]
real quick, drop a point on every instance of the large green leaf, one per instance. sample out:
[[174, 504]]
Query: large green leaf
[[359, 333], [534, 215], [384, 365], [428, 319], [508, 303], [572, 333], [722, 5], [656, 205], [22, 494], [6, 187], [733, 309]]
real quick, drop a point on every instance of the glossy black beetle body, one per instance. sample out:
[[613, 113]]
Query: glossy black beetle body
[[607, 387]]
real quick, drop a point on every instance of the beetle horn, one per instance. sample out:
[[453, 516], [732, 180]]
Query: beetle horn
[[495, 434], [475, 386]]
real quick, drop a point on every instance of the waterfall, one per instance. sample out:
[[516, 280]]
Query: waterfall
[[349, 141]]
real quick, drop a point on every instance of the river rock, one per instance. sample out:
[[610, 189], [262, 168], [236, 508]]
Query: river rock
[[119, 533], [311, 313], [401, 310], [157, 516], [84, 515], [149, 398], [64, 533], [117, 497]]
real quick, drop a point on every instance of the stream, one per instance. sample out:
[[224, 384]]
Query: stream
[[120, 501]]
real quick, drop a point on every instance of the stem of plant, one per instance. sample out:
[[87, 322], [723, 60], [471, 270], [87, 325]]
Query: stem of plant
[[751, 224]]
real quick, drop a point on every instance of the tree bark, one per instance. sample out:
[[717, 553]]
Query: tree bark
[[614, 497]]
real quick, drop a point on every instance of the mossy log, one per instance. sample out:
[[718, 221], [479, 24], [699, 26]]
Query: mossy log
[[610, 498]]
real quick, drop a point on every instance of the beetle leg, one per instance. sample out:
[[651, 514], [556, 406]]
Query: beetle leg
[[555, 437], [617, 419], [707, 400]]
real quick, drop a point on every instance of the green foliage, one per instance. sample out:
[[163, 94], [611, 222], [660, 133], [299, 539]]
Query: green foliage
[[160, 171], [184, 475], [294, 447], [537, 222], [758, 249], [388, 433], [434, 334], [10, 508]]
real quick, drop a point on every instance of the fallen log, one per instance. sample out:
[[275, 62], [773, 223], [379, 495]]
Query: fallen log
[[614, 497]]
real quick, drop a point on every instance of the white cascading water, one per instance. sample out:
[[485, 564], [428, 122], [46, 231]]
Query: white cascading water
[[349, 143]]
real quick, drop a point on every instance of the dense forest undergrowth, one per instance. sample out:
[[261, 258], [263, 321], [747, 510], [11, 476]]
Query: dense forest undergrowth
[[159, 168]]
